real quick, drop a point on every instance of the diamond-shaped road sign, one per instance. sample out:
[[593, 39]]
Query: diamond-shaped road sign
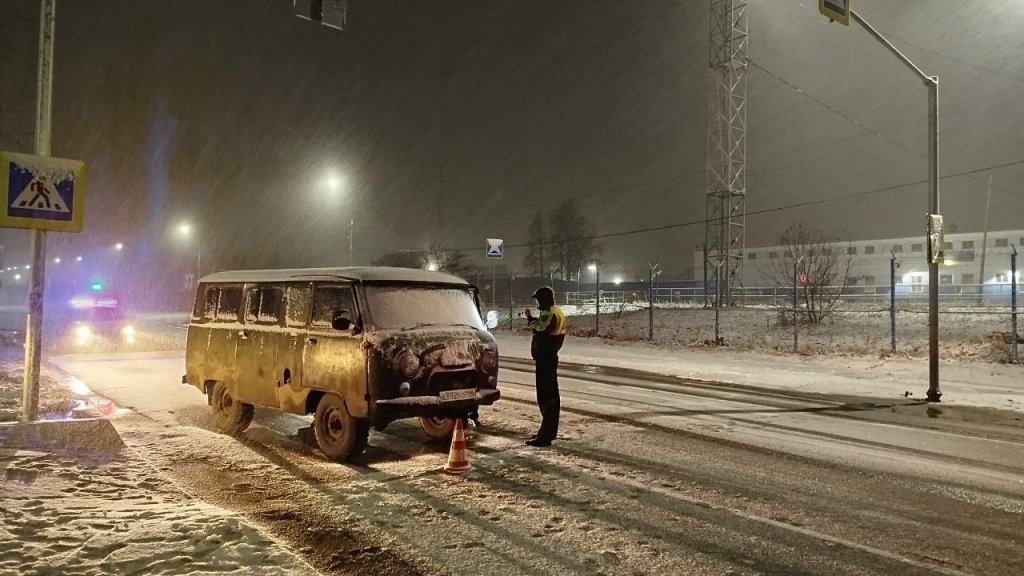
[[495, 248], [41, 192]]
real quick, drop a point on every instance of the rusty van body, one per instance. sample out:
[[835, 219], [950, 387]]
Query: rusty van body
[[356, 347]]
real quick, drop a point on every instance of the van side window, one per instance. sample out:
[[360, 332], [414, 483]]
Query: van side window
[[206, 303], [297, 312], [228, 303], [326, 299], [264, 305]]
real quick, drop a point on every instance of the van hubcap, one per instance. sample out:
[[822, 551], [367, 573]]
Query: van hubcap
[[335, 424], [224, 402]]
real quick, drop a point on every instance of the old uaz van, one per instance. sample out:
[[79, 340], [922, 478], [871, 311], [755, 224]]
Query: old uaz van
[[355, 347]]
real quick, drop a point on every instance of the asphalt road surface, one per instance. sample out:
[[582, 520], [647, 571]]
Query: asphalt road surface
[[650, 476]]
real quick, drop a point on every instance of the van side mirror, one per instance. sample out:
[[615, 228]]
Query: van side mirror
[[341, 319], [492, 319]]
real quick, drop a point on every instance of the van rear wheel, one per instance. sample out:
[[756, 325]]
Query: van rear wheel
[[338, 435], [437, 427], [230, 415]]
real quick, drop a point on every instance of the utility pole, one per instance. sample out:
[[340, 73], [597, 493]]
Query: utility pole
[[984, 244], [655, 272]]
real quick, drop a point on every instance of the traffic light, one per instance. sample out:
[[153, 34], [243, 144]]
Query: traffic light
[[333, 13], [96, 286]]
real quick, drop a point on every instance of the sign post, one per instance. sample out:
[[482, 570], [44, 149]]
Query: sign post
[[495, 251], [40, 193]]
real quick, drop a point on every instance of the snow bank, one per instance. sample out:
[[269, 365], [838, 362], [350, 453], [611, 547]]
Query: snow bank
[[119, 516], [968, 384]]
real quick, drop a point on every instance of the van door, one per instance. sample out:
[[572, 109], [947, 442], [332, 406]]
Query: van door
[[257, 344], [291, 393], [221, 313], [334, 359]]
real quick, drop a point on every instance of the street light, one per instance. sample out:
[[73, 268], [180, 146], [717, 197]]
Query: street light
[[337, 186], [185, 229], [118, 246], [596, 269]]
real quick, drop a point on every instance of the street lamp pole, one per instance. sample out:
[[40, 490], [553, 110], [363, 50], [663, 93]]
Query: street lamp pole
[[934, 231]]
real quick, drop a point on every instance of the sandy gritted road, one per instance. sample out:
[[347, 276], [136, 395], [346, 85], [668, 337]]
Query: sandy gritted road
[[650, 476]]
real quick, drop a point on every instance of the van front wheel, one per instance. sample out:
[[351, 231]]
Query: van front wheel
[[338, 435], [230, 415], [437, 427]]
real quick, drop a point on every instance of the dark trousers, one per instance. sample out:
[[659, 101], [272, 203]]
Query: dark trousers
[[547, 395]]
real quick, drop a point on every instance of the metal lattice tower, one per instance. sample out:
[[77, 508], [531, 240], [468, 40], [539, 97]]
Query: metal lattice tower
[[727, 151]]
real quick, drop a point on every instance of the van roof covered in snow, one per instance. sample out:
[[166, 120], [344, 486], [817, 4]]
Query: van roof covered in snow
[[371, 274]]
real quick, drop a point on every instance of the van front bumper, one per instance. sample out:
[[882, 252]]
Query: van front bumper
[[483, 398]]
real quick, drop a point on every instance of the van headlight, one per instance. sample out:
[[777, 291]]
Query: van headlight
[[488, 360], [408, 363], [82, 334], [128, 333]]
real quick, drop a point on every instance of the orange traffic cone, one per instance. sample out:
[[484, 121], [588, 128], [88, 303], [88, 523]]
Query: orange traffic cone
[[458, 462]]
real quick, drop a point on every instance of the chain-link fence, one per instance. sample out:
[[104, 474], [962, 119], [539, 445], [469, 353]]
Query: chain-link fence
[[976, 321]]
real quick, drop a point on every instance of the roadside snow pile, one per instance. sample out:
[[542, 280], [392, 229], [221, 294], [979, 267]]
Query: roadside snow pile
[[64, 516], [55, 400]]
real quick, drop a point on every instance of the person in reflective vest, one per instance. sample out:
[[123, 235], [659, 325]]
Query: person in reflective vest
[[548, 335]]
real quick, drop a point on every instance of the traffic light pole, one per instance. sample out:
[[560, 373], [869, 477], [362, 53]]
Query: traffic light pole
[[37, 274], [934, 236]]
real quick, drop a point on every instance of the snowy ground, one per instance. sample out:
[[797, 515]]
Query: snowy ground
[[976, 384], [106, 509], [966, 334], [153, 507], [63, 515]]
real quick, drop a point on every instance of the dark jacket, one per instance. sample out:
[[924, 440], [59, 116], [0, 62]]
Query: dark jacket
[[548, 332]]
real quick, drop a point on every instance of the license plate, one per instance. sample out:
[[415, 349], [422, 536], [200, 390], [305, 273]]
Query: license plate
[[453, 395]]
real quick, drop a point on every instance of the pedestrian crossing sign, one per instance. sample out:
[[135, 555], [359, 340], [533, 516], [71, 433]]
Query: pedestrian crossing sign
[[42, 192], [495, 248]]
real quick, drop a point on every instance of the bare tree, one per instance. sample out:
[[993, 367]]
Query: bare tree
[[570, 239], [823, 269], [534, 261], [445, 259]]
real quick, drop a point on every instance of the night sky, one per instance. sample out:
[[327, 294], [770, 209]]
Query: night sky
[[454, 120]]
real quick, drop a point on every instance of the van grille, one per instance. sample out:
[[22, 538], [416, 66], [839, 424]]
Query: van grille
[[451, 381]]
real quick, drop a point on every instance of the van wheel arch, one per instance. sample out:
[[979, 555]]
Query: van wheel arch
[[313, 400], [208, 386]]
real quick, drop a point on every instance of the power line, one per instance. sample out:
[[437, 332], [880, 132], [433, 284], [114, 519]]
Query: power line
[[704, 221], [854, 121], [958, 60]]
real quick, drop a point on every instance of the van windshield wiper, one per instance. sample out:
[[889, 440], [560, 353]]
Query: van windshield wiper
[[445, 324]]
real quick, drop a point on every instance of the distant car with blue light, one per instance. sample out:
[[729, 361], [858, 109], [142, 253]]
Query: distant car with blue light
[[99, 319], [94, 320]]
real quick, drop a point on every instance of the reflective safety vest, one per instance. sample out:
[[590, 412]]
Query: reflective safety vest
[[548, 333], [552, 322]]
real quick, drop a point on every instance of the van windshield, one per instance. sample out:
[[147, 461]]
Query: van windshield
[[408, 307]]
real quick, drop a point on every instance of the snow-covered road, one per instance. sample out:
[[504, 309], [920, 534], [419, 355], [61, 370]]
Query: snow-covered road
[[648, 478]]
